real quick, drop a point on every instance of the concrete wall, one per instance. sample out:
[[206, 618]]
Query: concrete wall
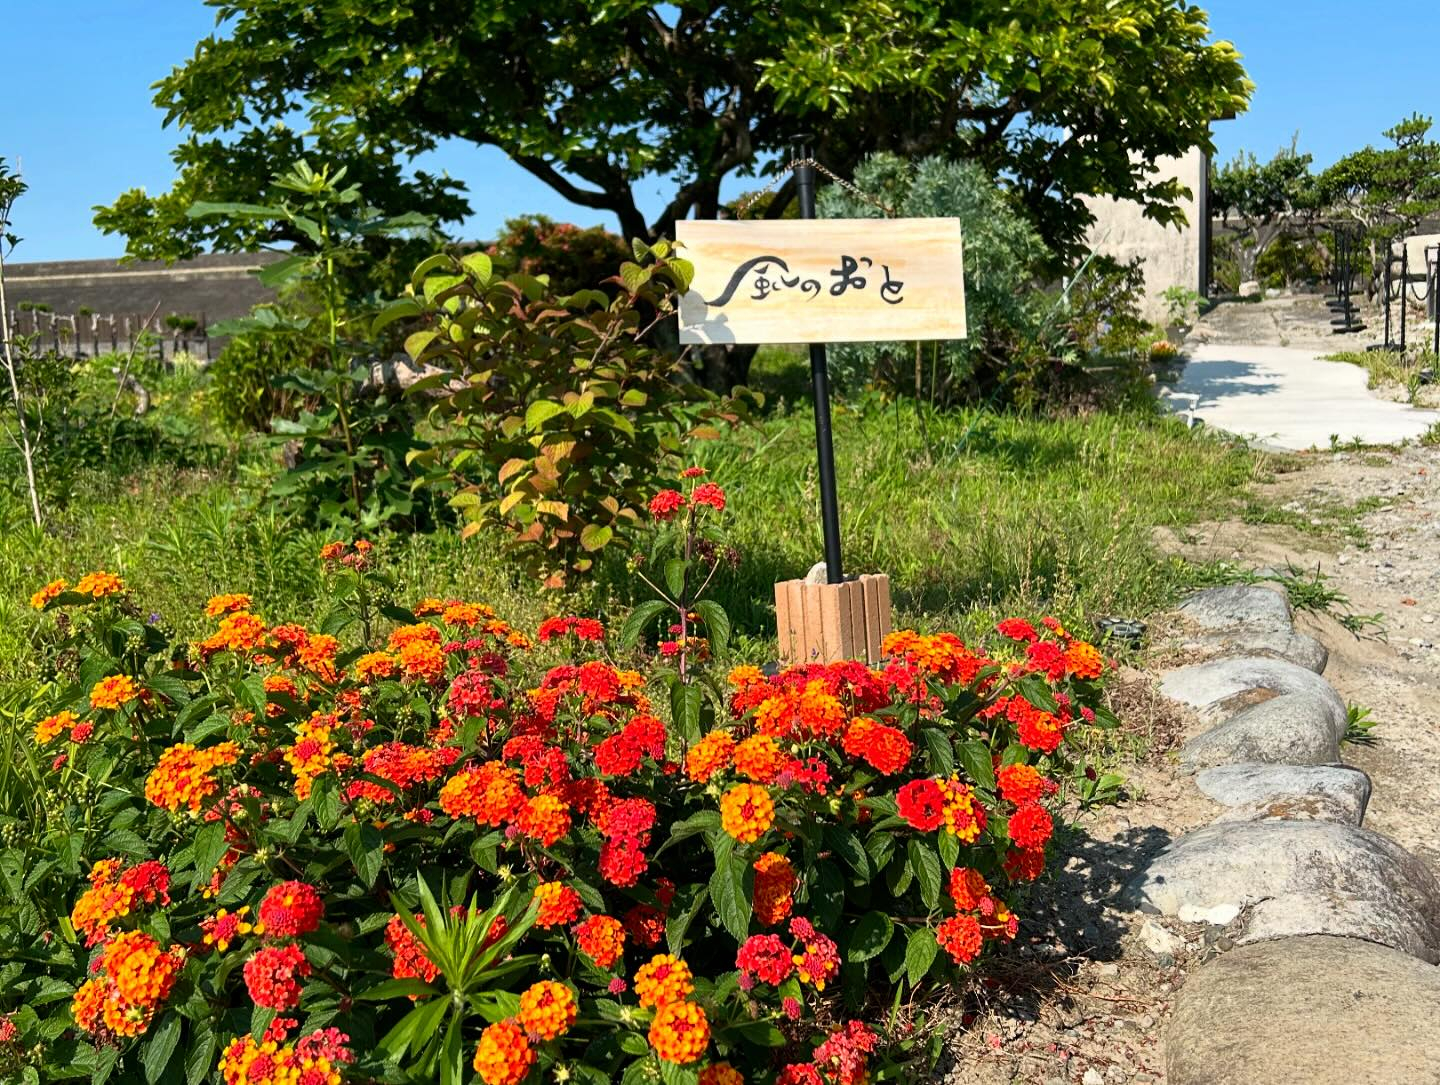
[[1174, 256]]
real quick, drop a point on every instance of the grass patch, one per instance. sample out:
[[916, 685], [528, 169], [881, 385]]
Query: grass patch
[[1414, 373], [972, 514]]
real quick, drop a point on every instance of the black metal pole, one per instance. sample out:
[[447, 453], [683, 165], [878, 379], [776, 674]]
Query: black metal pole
[[820, 389], [1404, 289], [1387, 295]]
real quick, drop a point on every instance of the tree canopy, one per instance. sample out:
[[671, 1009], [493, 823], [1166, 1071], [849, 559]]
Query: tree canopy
[[1392, 189], [1264, 197], [597, 98]]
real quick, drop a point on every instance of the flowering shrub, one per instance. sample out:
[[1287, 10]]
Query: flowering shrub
[[462, 852], [1162, 350]]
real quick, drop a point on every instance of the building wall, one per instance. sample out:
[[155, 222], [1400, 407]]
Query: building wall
[[1174, 256]]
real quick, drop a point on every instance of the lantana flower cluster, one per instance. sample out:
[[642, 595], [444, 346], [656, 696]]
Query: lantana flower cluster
[[515, 837]]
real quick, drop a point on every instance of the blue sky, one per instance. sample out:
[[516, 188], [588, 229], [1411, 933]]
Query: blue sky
[[78, 116]]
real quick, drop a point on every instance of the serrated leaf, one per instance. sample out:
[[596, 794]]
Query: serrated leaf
[[639, 619], [920, 951], [975, 759], [870, 936], [926, 866], [541, 411], [686, 701], [478, 264], [210, 848], [366, 849], [675, 570], [717, 624], [160, 1047], [942, 753], [727, 891]]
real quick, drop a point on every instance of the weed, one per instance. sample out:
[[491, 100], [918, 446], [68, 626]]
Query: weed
[[1358, 725]]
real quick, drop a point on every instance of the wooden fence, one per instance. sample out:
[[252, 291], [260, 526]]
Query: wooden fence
[[81, 335]]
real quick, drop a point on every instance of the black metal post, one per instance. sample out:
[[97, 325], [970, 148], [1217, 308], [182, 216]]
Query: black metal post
[[1387, 295], [1404, 289], [820, 389]]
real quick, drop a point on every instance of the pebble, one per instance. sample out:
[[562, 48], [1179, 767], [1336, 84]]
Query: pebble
[[1093, 1077]]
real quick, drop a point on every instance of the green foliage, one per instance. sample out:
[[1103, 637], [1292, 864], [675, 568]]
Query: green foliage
[[598, 99], [1391, 190], [1263, 197], [1288, 261], [246, 389], [1358, 725], [352, 447], [554, 417], [570, 257], [1003, 253]]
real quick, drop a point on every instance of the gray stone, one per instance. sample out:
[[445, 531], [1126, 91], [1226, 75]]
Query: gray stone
[[1306, 1011], [1296, 877], [1292, 729], [1253, 619], [1238, 605], [1159, 941], [1221, 687], [1297, 792]]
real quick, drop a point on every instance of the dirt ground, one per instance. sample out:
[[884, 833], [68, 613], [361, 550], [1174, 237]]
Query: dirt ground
[[1086, 992]]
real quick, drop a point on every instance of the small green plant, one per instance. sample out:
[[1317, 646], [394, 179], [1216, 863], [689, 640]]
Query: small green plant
[[351, 459], [1182, 306], [1358, 726], [555, 418]]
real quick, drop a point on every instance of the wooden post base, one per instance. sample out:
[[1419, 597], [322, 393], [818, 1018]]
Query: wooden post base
[[822, 623]]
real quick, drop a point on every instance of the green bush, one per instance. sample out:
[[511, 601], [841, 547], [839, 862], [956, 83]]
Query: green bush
[[246, 389], [1289, 261], [555, 418], [1003, 254]]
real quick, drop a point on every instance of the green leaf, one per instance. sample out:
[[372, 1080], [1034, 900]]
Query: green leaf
[[251, 693], [200, 1056], [638, 619], [727, 890], [540, 412], [870, 936], [949, 845], [161, 1046], [204, 209], [397, 988], [478, 265], [400, 309], [210, 848], [366, 849], [717, 623], [675, 570], [325, 797], [920, 951], [595, 536], [847, 845], [273, 276], [942, 753], [686, 702], [975, 758], [926, 865]]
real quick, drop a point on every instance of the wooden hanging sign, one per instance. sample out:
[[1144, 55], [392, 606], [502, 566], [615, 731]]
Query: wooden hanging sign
[[822, 280]]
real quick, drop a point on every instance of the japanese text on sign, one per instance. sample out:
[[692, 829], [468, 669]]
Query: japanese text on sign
[[832, 280]]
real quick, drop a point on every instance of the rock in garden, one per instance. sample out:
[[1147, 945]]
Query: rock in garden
[[1296, 792], [1296, 877], [1292, 729], [1238, 605], [1221, 687], [1254, 619], [1350, 1013]]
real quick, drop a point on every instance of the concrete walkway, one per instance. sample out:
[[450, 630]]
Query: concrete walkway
[[1285, 398]]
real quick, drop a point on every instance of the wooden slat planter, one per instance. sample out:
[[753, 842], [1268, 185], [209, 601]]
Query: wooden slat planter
[[822, 623]]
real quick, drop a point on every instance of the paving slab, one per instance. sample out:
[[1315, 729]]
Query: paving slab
[[1286, 398]]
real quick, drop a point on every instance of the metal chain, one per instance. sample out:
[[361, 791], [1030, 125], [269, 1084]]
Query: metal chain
[[789, 168]]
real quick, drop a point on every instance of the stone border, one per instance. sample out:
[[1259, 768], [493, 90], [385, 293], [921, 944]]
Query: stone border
[[1325, 913]]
